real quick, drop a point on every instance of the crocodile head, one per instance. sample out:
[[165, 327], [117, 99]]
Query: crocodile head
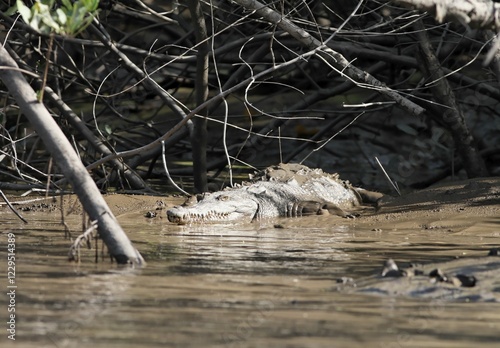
[[235, 205]]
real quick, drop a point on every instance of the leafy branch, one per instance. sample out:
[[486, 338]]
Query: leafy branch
[[71, 18], [45, 17]]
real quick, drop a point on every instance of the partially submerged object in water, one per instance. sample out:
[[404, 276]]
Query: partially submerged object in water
[[464, 279]]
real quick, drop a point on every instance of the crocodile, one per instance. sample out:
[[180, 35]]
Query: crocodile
[[283, 190]]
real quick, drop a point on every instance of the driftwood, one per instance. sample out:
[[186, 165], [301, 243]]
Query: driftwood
[[119, 246]]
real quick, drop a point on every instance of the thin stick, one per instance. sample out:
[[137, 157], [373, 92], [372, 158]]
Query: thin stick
[[394, 185], [96, 239], [46, 71], [27, 201], [12, 207], [67, 231], [331, 138], [279, 144], [49, 170], [74, 250], [166, 169]]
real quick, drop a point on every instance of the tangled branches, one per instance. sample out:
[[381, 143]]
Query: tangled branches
[[266, 81]]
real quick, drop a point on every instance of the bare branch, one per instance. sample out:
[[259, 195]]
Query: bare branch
[[452, 115], [115, 238], [330, 56]]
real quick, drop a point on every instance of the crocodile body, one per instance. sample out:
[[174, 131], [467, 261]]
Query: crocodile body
[[286, 190]]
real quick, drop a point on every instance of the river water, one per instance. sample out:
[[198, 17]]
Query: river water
[[237, 286]]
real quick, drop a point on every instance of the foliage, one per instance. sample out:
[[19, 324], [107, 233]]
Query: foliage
[[71, 18]]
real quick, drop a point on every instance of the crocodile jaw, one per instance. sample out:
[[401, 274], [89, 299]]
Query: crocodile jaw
[[212, 213]]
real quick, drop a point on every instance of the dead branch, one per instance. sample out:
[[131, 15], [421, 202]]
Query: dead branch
[[11, 207], [56, 142], [333, 58], [132, 177], [452, 116], [101, 32], [85, 237], [199, 131], [256, 61]]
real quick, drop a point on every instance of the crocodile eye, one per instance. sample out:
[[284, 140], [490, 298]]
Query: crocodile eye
[[222, 198]]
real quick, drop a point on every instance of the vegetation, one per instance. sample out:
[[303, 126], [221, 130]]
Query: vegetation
[[68, 18], [227, 86]]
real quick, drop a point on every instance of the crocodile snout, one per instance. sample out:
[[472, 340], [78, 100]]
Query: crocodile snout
[[175, 215]]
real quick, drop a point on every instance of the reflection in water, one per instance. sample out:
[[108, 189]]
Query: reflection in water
[[246, 286]]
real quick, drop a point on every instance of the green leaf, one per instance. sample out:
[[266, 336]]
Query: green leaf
[[107, 129], [11, 10], [67, 4], [48, 3], [69, 19], [24, 11], [50, 22], [61, 16], [35, 22], [91, 5]]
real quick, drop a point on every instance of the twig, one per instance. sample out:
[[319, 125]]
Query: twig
[[29, 200], [332, 58], [166, 169], [394, 184], [74, 250], [243, 84], [279, 144], [46, 70], [157, 14], [12, 207], [49, 170], [226, 107], [331, 138], [67, 231], [104, 37]]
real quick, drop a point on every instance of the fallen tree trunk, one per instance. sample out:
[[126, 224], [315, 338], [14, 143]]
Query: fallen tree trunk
[[119, 246]]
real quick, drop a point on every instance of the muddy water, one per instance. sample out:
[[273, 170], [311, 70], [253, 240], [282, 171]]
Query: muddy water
[[240, 286]]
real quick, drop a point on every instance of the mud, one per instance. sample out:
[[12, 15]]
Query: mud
[[452, 207]]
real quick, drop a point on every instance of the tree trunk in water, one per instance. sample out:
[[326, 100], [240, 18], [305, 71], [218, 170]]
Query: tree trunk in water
[[199, 131], [119, 246], [452, 117]]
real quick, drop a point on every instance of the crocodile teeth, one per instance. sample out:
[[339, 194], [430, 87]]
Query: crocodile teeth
[[200, 217]]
